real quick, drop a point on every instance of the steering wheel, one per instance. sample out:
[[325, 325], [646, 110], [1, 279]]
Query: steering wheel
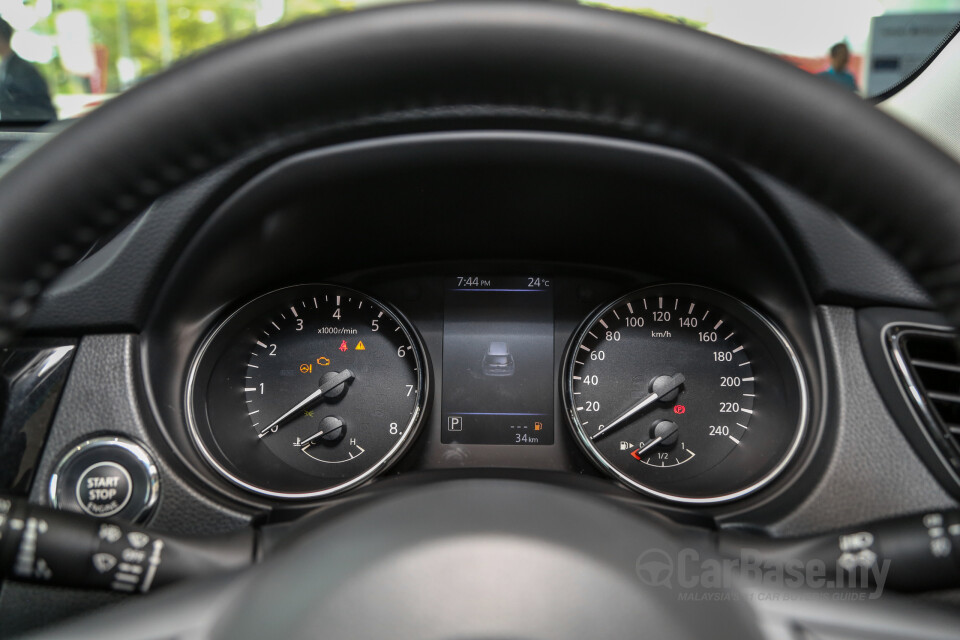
[[469, 558]]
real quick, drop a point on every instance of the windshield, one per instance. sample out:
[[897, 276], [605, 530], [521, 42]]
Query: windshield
[[60, 60]]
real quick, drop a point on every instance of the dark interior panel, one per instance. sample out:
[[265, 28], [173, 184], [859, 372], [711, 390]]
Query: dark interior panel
[[395, 217]]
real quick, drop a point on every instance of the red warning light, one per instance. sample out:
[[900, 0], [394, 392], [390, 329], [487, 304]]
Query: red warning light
[[679, 409], [343, 346]]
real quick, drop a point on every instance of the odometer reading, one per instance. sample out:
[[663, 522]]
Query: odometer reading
[[306, 391], [685, 393]]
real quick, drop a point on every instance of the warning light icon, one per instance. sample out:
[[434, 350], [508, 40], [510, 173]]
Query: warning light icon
[[538, 426], [679, 409], [360, 346], [343, 346]]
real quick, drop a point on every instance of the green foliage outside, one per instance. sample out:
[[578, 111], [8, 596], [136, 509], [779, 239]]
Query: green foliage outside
[[131, 28], [649, 13]]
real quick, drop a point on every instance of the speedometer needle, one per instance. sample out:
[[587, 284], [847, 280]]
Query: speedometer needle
[[661, 386], [331, 383]]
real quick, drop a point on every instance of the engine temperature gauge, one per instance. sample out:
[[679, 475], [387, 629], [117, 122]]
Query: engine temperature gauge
[[686, 394]]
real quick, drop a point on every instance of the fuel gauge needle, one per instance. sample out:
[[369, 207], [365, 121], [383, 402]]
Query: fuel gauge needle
[[332, 382], [664, 432], [650, 445], [661, 386]]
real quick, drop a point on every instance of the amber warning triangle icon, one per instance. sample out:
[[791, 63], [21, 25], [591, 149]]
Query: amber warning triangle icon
[[360, 346]]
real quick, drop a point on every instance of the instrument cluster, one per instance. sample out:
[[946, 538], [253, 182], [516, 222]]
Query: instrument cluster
[[677, 391]]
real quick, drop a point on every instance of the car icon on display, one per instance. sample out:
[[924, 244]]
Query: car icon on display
[[498, 361]]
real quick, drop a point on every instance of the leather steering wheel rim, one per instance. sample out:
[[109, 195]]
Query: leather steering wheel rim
[[535, 65], [550, 66], [540, 64]]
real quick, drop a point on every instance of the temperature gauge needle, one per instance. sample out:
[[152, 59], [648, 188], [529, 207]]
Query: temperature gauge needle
[[330, 383], [661, 386], [331, 430]]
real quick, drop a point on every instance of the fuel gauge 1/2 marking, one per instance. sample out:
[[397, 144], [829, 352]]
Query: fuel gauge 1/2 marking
[[307, 391], [685, 393]]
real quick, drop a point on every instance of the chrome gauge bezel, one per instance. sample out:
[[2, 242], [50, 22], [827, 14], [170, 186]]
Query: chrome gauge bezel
[[567, 391], [400, 447]]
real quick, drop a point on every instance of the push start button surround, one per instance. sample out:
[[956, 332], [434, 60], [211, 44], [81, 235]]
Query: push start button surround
[[106, 477]]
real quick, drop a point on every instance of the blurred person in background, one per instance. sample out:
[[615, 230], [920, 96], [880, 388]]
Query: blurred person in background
[[24, 96], [838, 73]]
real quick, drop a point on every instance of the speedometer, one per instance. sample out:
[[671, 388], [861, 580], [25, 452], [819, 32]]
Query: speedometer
[[686, 394], [307, 391]]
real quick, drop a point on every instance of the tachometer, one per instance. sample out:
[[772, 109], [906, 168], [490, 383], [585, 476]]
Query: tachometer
[[685, 393], [306, 391]]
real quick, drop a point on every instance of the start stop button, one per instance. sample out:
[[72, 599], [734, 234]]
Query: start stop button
[[106, 477], [104, 489]]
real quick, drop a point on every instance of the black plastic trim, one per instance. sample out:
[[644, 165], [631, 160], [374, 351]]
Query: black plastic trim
[[32, 376]]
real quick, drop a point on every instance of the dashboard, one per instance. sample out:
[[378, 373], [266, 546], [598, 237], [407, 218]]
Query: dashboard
[[304, 324]]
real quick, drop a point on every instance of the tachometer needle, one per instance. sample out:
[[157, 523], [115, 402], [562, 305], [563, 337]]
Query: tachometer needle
[[331, 383], [661, 386]]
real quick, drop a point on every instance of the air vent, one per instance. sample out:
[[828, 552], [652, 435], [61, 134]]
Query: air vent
[[928, 363]]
